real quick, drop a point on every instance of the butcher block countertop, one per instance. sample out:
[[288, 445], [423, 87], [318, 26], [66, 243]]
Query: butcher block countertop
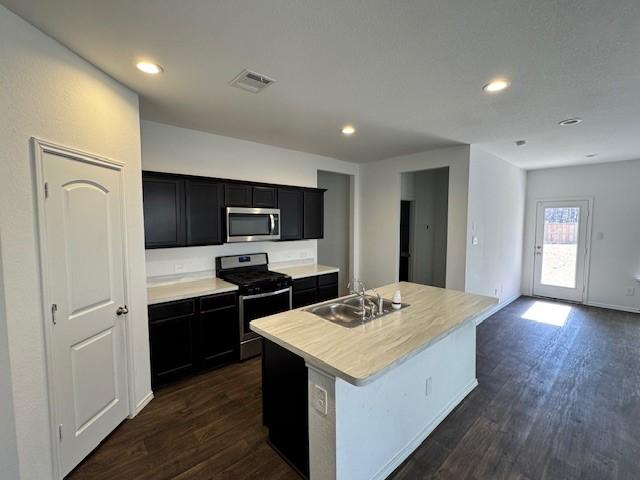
[[361, 354]]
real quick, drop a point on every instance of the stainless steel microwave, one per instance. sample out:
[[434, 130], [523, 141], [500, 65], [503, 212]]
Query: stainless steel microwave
[[252, 224]]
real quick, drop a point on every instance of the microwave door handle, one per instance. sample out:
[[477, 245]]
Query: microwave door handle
[[273, 223]]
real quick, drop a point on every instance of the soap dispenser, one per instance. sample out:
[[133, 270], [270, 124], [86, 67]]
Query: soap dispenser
[[396, 301]]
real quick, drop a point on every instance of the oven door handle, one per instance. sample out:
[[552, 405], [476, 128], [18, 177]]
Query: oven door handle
[[262, 295]]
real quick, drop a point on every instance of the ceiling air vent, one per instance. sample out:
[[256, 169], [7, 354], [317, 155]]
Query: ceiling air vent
[[251, 81]]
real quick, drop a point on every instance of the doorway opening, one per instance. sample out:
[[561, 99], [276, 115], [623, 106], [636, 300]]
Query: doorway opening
[[424, 206], [561, 249], [335, 248]]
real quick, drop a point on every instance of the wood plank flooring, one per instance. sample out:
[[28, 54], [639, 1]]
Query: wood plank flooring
[[553, 403]]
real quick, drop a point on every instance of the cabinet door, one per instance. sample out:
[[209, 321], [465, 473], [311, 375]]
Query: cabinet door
[[264, 197], [218, 336], [327, 292], [171, 343], [204, 212], [302, 298], [163, 199], [313, 214], [290, 203], [237, 195]]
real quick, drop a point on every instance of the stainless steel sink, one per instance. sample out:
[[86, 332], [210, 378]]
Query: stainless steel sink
[[348, 311]]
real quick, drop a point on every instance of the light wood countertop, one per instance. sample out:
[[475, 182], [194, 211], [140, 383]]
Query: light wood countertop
[[183, 290], [361, 354], [303, 271]]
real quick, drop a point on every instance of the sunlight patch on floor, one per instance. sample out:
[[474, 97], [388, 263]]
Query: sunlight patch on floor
[[546, 312]]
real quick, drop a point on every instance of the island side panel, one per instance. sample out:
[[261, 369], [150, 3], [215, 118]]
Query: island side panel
[[284, 404], [322, 427], [378, 425]]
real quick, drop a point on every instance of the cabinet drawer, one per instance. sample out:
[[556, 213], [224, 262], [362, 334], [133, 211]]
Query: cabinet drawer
[[163, 311], [328, 292], [327, 279], [303, 298], [304, 283], [214, 302]]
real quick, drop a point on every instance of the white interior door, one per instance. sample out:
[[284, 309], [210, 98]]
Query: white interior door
[[84, 264], [561, 249]]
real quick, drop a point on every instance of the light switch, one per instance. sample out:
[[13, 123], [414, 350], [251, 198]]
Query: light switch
[[474, 240], [320, 399]]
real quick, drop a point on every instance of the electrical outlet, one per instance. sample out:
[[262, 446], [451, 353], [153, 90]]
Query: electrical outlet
[[631, 291], [427, 387], [320, 399], [474, 240], [178, 267]]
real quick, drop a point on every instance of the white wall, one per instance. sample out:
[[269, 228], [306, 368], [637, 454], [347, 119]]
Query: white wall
[[380, 213], [496, 218], [615, 258], [333, 249], [172, 149], [8, 444], [50, 93]]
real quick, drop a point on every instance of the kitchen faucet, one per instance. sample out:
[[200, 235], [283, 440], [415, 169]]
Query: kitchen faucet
[[357, 287]]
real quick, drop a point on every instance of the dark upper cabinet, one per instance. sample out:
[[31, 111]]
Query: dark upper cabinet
[[164, 222], [313, 214], [290, 203], [264, 197], [237, 195], [181, 210], [204, 212]]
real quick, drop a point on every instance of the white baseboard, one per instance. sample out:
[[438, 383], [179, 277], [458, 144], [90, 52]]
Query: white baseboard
[[143, 403], [497, 308], [613, 307], [408, 449]]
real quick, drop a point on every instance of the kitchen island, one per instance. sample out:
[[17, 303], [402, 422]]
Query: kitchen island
[[353, 403]]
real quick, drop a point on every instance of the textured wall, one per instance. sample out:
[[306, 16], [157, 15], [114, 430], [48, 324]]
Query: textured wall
[[50, 93]]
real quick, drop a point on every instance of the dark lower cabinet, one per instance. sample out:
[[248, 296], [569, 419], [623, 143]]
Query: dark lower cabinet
[[310, 290], [171, 340], [187, 336], [285, 405]]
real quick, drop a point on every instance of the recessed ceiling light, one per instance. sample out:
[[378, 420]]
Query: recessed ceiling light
[[591, 155], [496, 85], [348, 130], [570, 121], [150, 68]]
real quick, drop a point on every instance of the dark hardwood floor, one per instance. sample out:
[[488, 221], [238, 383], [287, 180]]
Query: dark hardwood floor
[[554, 402]]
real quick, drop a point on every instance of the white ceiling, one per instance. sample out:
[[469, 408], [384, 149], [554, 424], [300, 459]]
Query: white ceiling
[[408, 73]]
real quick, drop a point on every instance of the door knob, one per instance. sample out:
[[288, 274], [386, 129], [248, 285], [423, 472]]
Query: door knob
[[122, 310]]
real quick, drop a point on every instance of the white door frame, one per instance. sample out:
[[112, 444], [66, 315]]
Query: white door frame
[[40, 147], [587, 260]]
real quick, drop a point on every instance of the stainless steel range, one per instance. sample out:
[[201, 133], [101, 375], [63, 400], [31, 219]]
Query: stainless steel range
[[262, 293]]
